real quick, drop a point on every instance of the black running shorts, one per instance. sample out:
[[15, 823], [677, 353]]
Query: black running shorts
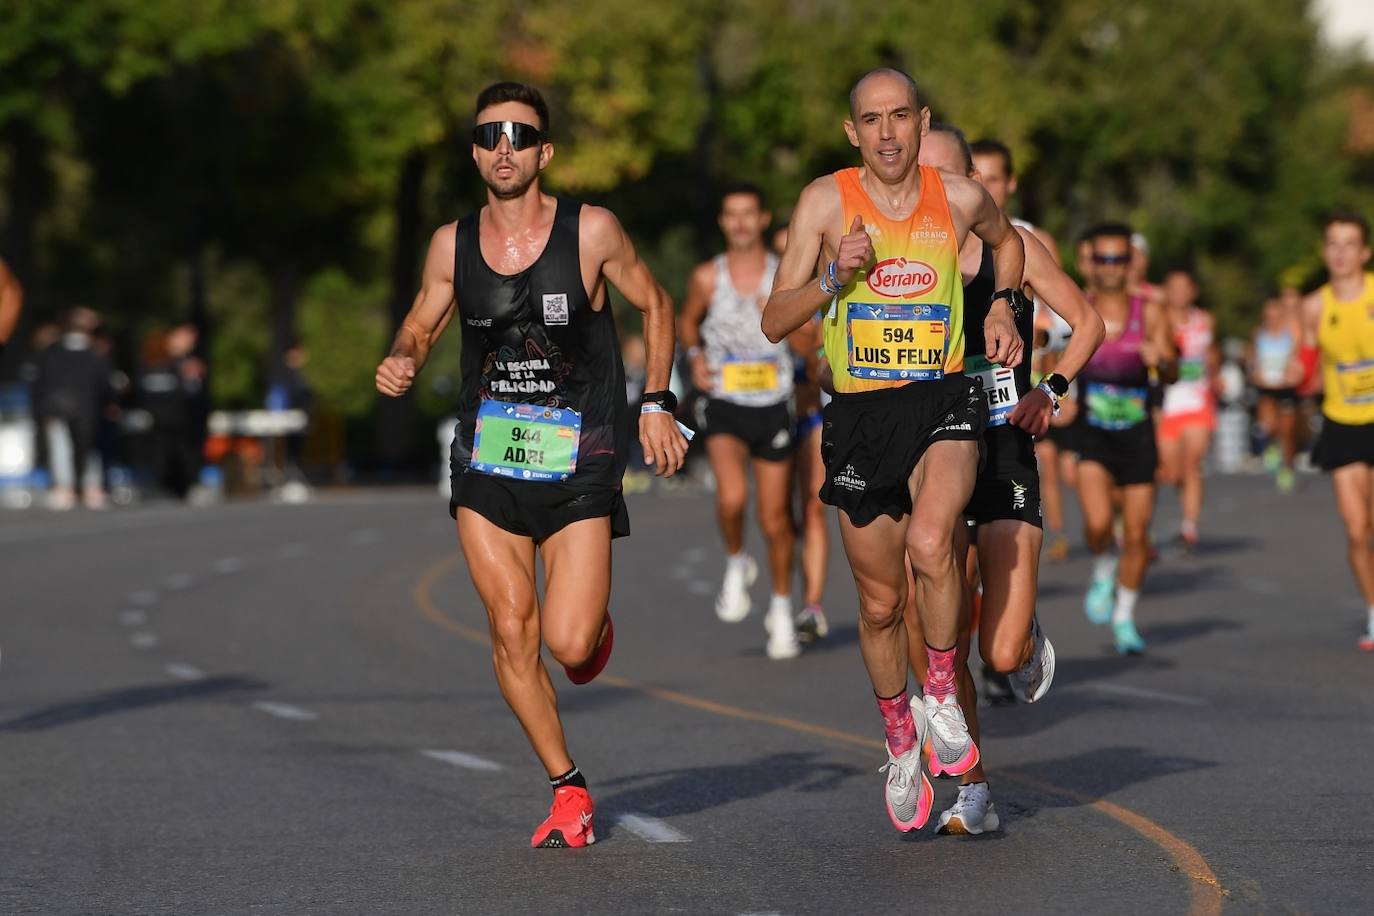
[[767, 431], [1340, 444], [1008, 484], [536, 510], [871, 441], [1066, 437], [1287, 398], [1129, 455]]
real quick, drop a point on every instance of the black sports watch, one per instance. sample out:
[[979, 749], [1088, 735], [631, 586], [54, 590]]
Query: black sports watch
[[665, 399], [1020, 303], [1057, 384]]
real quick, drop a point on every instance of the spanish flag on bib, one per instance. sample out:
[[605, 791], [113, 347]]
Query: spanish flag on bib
[[902, 319]]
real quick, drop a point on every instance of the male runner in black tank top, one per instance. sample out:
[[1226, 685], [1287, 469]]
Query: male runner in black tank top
[[543, 428]]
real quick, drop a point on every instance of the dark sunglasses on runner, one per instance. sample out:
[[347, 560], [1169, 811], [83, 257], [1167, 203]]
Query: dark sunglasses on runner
[[522, 136], [1111, 259]]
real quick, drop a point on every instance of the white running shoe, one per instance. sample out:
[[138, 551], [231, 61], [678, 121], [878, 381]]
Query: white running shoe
[[973, 813], [732, 604], [952, 751], [782, 630], [1032, 680], [908, 794]]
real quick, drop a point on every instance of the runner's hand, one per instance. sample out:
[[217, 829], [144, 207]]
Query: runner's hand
[[395, 375], [1032, 413], [1000, 338], [701, 374], [856, 251], [664, 446]]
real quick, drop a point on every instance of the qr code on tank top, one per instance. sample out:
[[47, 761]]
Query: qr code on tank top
[[555, 308]]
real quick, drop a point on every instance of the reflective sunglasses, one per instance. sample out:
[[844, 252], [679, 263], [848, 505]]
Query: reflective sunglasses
[[521, 136], [1111, 259]]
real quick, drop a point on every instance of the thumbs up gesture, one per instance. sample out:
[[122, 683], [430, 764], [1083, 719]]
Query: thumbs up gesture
[[856, 251]]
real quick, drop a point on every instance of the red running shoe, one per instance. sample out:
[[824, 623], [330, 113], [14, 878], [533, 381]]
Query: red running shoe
[[594, 665], [569, 824]]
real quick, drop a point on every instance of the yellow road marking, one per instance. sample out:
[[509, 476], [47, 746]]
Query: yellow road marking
[[1207, 892]]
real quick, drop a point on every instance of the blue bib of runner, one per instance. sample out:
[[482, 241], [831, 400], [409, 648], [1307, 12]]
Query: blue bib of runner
[[525, 441], [1116, 407]]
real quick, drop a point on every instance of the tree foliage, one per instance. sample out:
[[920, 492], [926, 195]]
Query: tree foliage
[[284, 151]]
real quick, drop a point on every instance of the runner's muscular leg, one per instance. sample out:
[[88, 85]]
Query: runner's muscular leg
[[729, 458], [577, 591], [1354, 485], [1051, 500], [1196, 441], [816, 533], [877, 557], [1095, 497], [1009, 558], [502, 569], [773, 480], [940, 489], [1137, 508]]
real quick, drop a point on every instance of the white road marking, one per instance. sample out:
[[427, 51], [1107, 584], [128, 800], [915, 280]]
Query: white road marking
[[146, 597], [144, 640], [178, 581], [365, 536], [185, 672], [291, 551], [285, 711], [226, 565], [466, 761], [1146, 694], [651, 829], [133, 618]]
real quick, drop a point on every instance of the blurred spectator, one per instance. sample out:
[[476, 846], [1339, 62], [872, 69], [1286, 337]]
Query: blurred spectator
[[71, 392], [291, 391], [11, 301], [172, 389]]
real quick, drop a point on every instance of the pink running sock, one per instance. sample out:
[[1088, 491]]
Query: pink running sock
[[897, 722], [940, 678]]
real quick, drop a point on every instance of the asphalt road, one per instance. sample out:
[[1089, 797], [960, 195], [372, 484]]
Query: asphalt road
[[290, 709]]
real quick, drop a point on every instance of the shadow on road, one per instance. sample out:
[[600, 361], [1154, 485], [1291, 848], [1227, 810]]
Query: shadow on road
[[1094, 774], [692, 789], [125, 700]]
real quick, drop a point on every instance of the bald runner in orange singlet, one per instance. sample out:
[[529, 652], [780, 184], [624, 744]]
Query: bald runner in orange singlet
[[900, 439]]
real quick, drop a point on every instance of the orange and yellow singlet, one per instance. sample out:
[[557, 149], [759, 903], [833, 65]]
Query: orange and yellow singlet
[[901, 320]]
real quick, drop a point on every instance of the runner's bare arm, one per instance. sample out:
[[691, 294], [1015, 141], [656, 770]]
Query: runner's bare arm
[[604, 237], [797, 293], [1058, 291], [1054, 288], [973, 207], [1044, 238], [430, 314], [699, 289], [1157, 351], [11, 302]]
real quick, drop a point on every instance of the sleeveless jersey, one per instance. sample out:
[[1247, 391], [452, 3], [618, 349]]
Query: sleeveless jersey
[[746, 367], [902, 319], [1346, 339], [1003, 388], [1114, 385], [535, 352], [1273, 353], [1192, 392]]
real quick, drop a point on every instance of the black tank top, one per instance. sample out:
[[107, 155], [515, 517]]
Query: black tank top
[[977, 302], [533, 338]]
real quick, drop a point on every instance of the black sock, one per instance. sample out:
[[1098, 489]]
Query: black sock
[[573, 777]]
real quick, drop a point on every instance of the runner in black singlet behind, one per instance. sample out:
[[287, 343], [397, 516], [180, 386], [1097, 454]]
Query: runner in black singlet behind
[[543, 426]]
